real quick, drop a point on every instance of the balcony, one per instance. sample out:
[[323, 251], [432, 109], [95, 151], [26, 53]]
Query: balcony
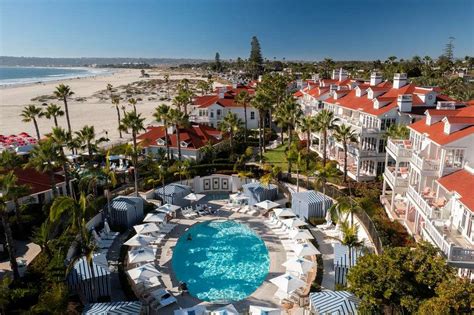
[[423, 164], [400, 148], [396, 179], [420, 202]]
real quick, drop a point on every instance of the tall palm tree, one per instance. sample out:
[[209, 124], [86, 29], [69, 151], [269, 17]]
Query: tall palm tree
[[179, 119], [9, 238], [13, 190], [183, 170], [166, 77], [63, 92], [308, 125], [325, 121], [110, 180], [62, 140], [397, 131], [244, 98], [133, 122], [133, 102], [43, 158], [31, 113], [183, 99], [291, 113], [323, 174], [53, 111], [345, 135], [162, 113], [262, 103], [203, 86], [350, 238], [87, 138], [115, 103], [231, 125], [9, 160], [42, 237], [71, 210]]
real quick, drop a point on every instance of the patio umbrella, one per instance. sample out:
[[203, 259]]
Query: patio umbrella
[[226, 310], [238, 197], [284, 212], [288, 283], [305, 249], [333, 302], [140, 240], [141, 254], [259, 310], [194, 197], [143, 273], [267, 204], [293, 222], [301, 235], [166, 208], [146, 228], [299, 265], [155, 217]]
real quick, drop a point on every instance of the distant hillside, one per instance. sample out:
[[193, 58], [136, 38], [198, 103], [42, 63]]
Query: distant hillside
[[80, 62]]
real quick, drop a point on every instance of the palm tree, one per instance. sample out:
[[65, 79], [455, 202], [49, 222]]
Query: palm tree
[[71, 210], [61, 138], [63, 92], [271, 174], [53, 111], [133, 122], [323, 174], [116, 102], [325, 121], [231, 124], [42, 237], [203, 86], [183, 99], [345, 135], [261, 102], [132, 101], [350, 238], [43, 158], [87, 138], [9, 160], [12, 190], [9, 238], [167, 82], [397, 131], [179, 119], [291, 113], [244, 98], [308, 125], [183, 170], [30, 113], [110, 180], [162, 113]]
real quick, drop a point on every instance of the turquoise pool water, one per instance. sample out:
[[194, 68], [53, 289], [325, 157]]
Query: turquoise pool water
[[224, 261]]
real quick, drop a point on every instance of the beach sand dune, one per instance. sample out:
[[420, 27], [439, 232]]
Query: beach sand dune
[[94, 111]]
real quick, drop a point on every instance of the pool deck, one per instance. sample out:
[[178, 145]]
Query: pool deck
[[263, 296]]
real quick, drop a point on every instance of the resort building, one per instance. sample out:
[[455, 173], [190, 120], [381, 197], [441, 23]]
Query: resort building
[[192, 139], [211, 109], [370, 108], [428, 183]]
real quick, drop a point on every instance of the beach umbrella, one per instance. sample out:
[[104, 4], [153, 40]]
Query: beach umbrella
[[194, 197], [267, 204], [305, 249], [284, 212], [226, 310], [301, 235], [166, 208], [293, 222], [146, 228], [141, 254], [333, 302], [140, 240], [299, 265], [288, 283], [155, 217], [259, 310], [143, 273]]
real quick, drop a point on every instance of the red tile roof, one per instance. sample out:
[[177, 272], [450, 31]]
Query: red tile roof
[[461, 182], [197, 136], [37, 182], [226, 101]]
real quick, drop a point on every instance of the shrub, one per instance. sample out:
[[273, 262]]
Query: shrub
[[316, 221]]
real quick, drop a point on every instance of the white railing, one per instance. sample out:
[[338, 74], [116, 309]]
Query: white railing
[[398, 148], [389, 176], [420, 202], [437, 237], [423, 164], [396, 181]]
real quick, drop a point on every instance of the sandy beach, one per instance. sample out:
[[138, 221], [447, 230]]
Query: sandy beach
[[87, 106]]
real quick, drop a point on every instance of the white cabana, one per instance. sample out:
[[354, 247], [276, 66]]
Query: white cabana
[[140, 240], [194, 197], [301, 235], [146, 228], [305, 249], [155, 217], [141, 254], [114, 308], [333, 302], [226, 310], [284, 212], [143, 273], [294, 222], [299, 265], [267, 205], [288, 283], [262, 310]]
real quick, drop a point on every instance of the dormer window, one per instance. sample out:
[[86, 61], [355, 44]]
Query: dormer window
[[160, 142], [370, 94], [184, 144]]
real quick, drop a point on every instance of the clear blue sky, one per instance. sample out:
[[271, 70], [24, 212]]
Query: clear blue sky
[[310, 30]]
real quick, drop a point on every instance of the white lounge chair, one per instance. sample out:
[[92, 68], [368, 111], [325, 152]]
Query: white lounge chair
[[161, 298]]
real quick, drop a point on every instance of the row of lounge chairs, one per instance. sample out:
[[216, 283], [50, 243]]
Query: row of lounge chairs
[[244, 209], [105, 238], [199, 210]]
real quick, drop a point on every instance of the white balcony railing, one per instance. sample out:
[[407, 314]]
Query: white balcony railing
[[396, 181], [398, 148], [420, 202], [424, 164], [437, 237]]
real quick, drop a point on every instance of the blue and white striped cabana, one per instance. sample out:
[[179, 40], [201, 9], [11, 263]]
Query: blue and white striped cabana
[[113, 308], [126, 211], [309, 204], [333, 303], [174, 194], [90, 283], [257, 192]]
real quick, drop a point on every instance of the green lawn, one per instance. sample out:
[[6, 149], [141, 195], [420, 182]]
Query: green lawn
[[277, 157]]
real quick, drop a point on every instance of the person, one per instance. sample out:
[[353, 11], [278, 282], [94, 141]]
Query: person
[[190, 238]]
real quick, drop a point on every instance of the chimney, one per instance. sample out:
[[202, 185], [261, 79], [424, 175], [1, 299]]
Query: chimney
[[332, 88], [404, 103], [334, 74], [399, 80], [315, 77], [234, 85], [375, 78], [220, 91], [342, 74]]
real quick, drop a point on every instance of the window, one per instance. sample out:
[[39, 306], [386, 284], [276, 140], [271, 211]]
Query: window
[[380, 167], [252, 115], [218, 112], [382, 144], [369, 144], [386, 123], [454, 158], [211, 114]]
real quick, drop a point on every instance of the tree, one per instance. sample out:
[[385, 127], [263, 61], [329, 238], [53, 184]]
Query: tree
[[133, 122], [179, 119], [325, 121], [63, 92], [110, 180], [350, 238], [308, 126], [244, 98], [9, 160], [9, 238], [217, 63], [323, 174], [328, 66], [53, 111], [163, 113], [261, 102], [87, 138], [42, 237], [44, 159], [31, 113], [166, 77], [449, 49], [61, 138], [397, 131], [133, 102], [255, 60], [115, 103], [271, 174], [345, 135], [182, 170], [203, 86], [231, 124], [13, 190]]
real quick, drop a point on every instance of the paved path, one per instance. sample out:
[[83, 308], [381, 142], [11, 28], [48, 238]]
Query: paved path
[[24, 250]]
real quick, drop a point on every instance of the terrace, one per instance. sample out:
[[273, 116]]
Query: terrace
[[399, 148]]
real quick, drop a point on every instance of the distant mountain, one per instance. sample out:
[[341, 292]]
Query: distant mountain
[[80, 62]]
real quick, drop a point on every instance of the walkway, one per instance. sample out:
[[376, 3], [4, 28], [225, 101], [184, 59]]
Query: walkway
[[24, 250]]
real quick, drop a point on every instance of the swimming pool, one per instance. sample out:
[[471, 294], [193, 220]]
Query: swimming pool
[[214, 196], [224, 261]]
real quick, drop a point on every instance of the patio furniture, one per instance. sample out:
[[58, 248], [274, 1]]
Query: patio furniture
[[161, 298]]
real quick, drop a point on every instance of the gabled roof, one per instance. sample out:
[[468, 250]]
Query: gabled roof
[[461, 182], [227, 101], [36, 182]]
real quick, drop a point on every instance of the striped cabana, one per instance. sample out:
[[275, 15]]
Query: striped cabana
[[309, 204], [257, 192], [333, 303], [90, 283], [126, 211], [174, 194], [113, 308]]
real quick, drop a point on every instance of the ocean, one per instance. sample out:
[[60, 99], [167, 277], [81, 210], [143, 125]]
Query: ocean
[[25, 75]]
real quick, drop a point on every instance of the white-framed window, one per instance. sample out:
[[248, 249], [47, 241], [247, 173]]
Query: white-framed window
[[454, 158], [218, 112]]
